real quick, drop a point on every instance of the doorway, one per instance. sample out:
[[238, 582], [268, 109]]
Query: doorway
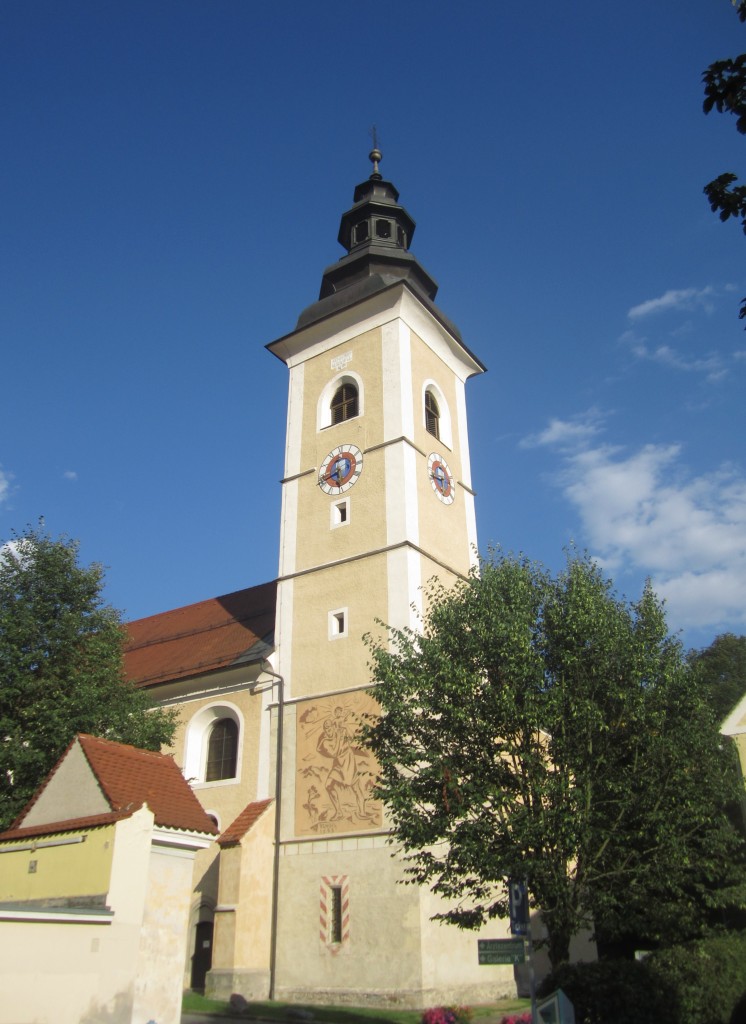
[[202, 956]]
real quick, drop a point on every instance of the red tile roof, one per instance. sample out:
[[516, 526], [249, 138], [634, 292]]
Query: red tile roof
[[128, 778], [201, 637], [244, 822]]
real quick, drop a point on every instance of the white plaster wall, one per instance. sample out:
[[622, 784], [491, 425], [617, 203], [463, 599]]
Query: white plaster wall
[[398, 411], [52, 974], [404, 578], [382, 961], [126, 969], [163, 937], [56, 973], [451, 971]]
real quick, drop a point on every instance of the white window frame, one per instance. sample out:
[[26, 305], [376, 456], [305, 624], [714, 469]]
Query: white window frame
[[339, 624], [324, 407], [444, 419], [335, 513], [198, 738]]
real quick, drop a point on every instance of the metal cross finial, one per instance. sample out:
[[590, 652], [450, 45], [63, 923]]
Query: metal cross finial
[[375, 154]]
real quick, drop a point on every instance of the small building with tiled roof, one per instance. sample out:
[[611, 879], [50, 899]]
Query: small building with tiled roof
[[106, 844]]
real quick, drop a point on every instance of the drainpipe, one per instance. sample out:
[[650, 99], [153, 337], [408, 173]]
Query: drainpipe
[[278, 808]]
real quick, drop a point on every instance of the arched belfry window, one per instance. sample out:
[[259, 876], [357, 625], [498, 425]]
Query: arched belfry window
[[344, 403], [432, 415], [342, 398], [222, 751]]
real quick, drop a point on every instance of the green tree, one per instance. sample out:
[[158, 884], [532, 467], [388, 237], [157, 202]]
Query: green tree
[[722, 671], [725, 91], [542, 728], [61, 667]]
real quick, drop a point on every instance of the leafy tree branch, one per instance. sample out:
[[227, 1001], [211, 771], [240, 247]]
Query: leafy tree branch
[[61, 666], [543, 728]]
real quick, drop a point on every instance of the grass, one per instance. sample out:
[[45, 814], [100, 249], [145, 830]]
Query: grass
[[487, 1014]]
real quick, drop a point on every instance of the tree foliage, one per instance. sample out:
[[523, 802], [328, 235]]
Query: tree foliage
[[542, 728], [722, 671], [725, 91], [61, 666]]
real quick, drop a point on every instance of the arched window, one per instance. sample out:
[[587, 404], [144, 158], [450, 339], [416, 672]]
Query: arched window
[[432, 415], [342, 398], [344, 403], [222, 751]]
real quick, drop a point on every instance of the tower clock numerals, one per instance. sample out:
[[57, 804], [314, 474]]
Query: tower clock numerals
[[341, 469], [441, 478]]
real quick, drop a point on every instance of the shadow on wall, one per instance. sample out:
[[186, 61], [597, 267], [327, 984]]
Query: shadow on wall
[[120, 1011]]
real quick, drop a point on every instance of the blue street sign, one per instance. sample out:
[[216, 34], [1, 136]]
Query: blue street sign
[[518, 902]]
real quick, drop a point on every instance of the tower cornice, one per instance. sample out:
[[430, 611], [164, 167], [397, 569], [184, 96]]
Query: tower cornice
[[394, 299]]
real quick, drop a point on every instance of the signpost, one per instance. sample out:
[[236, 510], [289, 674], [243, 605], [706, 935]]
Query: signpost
[[518, 949], [501, 951]]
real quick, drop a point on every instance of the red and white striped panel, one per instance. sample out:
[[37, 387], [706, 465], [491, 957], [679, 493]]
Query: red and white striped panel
[[325, 912]]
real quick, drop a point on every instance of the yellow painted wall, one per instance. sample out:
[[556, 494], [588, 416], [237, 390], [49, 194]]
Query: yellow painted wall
[[242, 950], [320, 664], [318, 372], [254, 911], [443, 528], [317, 543], [79, 869]]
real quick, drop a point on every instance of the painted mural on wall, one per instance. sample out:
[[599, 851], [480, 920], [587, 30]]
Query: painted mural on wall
[[335, 773]]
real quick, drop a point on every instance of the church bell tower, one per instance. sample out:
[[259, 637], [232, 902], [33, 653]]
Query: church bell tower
[[376, 500]]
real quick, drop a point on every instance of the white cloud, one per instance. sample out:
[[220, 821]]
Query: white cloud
[[70, 474], [711, 365], [678, 299], [566, 433], [643, 511], [5, 479]]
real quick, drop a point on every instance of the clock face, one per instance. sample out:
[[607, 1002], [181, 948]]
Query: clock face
[[441, 478], [341, 469]]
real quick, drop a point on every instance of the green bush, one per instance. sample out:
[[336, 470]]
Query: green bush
[[612, 992], [707, 977], [702, 982]]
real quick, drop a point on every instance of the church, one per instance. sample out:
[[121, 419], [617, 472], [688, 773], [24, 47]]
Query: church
[[299, 898]]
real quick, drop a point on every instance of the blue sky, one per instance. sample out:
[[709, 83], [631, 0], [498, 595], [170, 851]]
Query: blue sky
[[173, 177]]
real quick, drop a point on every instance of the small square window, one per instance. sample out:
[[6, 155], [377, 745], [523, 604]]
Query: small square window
[[340, 513], [338, 623]]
